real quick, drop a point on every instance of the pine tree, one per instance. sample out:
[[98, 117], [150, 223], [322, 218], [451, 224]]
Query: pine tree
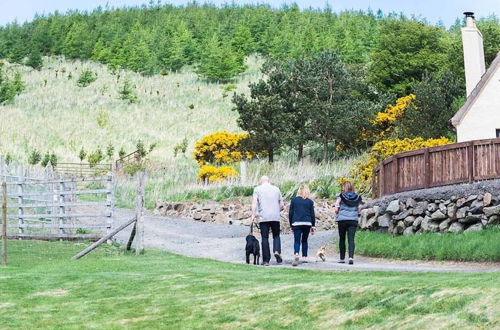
[[219, 63], [35, 59]]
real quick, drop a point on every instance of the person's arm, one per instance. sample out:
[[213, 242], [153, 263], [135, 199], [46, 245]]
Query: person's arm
[[313, 216], [337, 206], [255, 202], [290, 213]]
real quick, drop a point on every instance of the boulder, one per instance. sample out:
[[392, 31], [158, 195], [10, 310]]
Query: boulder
[[487, 199], [462, 212], [476, 207], [197, 216], [432, 207], [206, 217], [409, 220], [494, 220], [420, 208], [444, 225], [411, 203], [443, 208], [371, 223], [424, 225], [471, 218], [393, 207], [471, 198], [417, 222], [221, 218], [461, 202], [384, 220], [456, 227], [433, 227], [408, 231], [475, 227], [402, 215], [492, 210], [400, 227], [438, 215], [451, 211]]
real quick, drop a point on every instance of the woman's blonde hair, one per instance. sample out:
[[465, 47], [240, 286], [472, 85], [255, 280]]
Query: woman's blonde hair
[[347, 186], [303, 191]]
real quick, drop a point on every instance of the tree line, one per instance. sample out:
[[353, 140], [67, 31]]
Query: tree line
[[162, 38]]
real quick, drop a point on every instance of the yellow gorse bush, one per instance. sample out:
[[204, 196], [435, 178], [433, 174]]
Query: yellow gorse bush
[[211, 173], [220, 148], [393, 112], [362, 173]]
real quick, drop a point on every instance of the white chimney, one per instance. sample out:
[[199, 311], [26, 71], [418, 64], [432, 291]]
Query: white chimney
[[473, 52]]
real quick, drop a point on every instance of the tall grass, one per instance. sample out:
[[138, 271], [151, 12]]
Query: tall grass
[[54, 114], [473, 246], [176, 180]]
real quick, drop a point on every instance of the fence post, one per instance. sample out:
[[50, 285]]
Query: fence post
[[20, 198], [110, 202], [427, 169], [471, 160], [62, 209], [139, 209], [4, 223]]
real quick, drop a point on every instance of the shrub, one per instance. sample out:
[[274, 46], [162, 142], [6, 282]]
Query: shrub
[[121, 152], [209, 173], [34, 157], [221, 148], [110, 151], [181, 147], [82, 154], [362, 173], [9, 88], [86, 78], [95, 157]]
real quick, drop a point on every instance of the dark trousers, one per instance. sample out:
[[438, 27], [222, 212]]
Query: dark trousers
[[300, 235], [347, 227], [274, 226]]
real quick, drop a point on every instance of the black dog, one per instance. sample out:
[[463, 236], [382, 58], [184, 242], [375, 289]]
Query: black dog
[[252, 247]]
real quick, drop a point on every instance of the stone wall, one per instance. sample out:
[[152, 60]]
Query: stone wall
[[407, 216], [238, 214]]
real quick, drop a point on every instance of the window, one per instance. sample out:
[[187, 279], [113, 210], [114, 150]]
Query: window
[[498, 132]]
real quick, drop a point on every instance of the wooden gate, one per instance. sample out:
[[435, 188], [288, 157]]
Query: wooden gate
[[51, 205]]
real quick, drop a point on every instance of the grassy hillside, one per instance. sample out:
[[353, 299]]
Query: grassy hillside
[[42, 288], [54, 114]]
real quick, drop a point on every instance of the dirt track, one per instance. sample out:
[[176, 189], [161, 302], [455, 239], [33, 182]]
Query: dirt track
[[227, 243]]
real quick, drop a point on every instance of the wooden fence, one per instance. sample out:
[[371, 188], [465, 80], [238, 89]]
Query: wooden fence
[[438, 166], [51, 205], [132, 158]]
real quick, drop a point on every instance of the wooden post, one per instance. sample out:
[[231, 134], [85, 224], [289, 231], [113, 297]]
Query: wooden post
[[471, 160], [139, 209], [427, 169], [243, 172], [4, 223], [110, 203], [62, 209], [131, 238], [103, 239], [20, 199]]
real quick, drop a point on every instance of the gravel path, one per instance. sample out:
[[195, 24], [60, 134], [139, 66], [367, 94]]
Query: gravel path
[[227, 243]]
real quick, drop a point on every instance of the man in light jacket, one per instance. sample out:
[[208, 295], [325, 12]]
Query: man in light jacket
[[267, 204]]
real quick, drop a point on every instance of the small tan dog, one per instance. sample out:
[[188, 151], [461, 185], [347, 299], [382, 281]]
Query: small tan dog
[[321, 254]]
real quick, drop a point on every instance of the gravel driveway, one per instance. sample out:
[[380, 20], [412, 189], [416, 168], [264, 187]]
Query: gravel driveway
[[227, 243]]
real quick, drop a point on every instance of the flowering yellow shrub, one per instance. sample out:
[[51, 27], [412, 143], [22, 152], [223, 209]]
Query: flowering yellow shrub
[[220, 148], [361, 174], [211, 173], [394, 112]]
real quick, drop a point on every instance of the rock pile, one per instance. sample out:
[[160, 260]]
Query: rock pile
[[411, 216], [235, 213]]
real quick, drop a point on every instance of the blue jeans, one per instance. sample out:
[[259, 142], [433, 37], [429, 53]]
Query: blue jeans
[[300, 235]]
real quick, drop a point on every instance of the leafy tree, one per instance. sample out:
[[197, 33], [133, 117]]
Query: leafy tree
[[406, 49], [121, 152], [434, 105], [110, 151], [82, 154], [95, 157], [263, 117], [219, 63], [45, 160]]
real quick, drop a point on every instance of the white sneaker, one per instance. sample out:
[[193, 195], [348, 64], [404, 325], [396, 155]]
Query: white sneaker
[[295, 261]]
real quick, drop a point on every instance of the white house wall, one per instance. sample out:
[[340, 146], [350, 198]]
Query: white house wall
[[483, 117]]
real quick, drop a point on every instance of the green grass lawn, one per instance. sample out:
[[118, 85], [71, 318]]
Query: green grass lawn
[[109, 289], [473, 246]]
